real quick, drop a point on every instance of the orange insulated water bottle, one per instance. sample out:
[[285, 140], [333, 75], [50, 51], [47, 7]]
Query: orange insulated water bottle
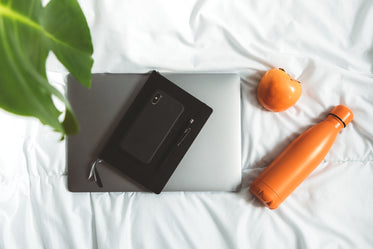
[[299, 159]]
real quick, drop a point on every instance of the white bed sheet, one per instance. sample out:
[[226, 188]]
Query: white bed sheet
[[327, 45]]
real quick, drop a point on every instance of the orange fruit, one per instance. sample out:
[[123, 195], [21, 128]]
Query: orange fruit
[[277, 90]]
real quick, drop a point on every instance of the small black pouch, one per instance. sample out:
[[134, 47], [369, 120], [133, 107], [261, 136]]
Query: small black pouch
[[155, 133]]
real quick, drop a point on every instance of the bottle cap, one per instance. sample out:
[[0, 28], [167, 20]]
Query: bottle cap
[[343, 113]]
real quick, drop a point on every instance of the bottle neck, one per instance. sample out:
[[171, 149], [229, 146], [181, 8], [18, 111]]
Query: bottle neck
[[335, 121]]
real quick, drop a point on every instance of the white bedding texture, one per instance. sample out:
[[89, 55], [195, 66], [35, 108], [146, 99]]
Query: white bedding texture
[[326, 45]]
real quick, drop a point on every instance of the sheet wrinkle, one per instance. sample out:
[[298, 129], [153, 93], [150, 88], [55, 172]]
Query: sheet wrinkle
[[338, 234], [188, 239], [359, 25], [316, 55], [194, 22], [364, 133], [219, 225], [299, 225], [240, 48], [93, 223], [36, 211], [128, 220], [28, 162]]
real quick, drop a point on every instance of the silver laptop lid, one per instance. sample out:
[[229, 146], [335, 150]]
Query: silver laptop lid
[[212, 163]]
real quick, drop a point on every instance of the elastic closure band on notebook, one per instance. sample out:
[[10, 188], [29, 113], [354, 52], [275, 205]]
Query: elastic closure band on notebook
[[94, 175]]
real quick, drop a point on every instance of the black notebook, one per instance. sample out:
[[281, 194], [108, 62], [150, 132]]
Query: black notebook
[[155, 133]]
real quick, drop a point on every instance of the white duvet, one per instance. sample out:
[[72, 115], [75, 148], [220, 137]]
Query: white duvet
[[327, 45]]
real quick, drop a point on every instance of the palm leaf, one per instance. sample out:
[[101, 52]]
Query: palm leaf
[[28, 32]]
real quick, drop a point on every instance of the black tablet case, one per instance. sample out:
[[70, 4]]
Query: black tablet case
[[155, 132]]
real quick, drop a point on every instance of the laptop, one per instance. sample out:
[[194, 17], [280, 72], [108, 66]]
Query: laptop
[[212, 163]]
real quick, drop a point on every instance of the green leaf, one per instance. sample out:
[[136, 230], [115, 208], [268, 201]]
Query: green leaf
[[28, 32], [71, 43]]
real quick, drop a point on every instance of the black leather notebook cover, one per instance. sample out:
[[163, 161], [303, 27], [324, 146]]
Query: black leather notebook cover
[[155, 133]]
